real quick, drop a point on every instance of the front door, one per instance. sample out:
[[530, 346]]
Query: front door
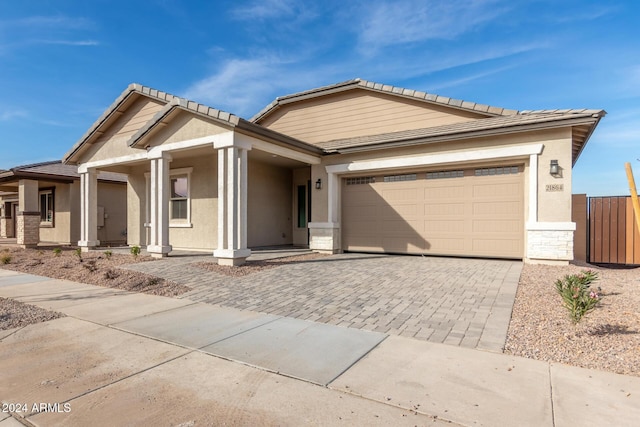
[[301, 207], [14, 219]]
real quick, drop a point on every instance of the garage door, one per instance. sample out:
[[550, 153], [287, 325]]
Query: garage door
[[467, 212]]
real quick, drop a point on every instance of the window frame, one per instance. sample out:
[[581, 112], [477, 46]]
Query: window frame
[[180, 222], [44, 192]]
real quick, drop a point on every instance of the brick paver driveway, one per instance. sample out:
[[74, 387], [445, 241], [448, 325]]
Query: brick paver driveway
[[464, 302]]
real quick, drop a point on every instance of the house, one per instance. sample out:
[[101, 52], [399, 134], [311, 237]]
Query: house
[[41, 203], [355, 166]]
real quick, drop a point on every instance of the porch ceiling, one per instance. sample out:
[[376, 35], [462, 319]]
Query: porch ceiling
[[273, 159]]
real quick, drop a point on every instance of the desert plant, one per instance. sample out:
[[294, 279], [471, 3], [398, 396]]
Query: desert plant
[[90, 265], [78, 253], [57, 251], [577, 295], [108, 254], [111, 274], [135, 251], [5, 258]]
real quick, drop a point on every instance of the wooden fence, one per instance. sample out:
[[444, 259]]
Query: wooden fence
[[613, 236]]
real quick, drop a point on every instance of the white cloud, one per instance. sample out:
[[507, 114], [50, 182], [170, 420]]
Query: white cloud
[[11, 114], [400, 22], [265, 9], [70, 42]]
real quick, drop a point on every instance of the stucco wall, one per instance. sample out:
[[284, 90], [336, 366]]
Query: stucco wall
[[60, 232], [113, 198], [203, 233], [269, 214], [136, 199]]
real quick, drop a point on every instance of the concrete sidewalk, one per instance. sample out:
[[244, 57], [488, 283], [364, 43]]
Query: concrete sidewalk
[[121, 358]]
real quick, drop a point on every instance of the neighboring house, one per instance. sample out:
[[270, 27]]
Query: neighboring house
[[356, 166], [41, 203]]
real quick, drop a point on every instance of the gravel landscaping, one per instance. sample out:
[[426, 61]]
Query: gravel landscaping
[[608, 338]]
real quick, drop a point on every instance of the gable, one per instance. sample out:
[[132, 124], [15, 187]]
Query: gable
[[183, 126], [359, 112], [113, 141]]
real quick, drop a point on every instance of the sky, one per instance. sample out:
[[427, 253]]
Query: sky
[[63, 62]]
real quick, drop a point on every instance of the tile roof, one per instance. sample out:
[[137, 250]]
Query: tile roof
[[379, 87], [475, 128], [56, 170], [132, 89], [218, 115]]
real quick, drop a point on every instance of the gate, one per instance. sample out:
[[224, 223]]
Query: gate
[[613, 232]]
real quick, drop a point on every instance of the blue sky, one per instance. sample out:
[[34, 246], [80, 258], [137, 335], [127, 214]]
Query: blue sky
[[62, 63]]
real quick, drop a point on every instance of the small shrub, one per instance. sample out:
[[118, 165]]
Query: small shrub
[[153, 281], [57, 251], [78, 253], [90, 265], [111, 274], [135, 251], [577, 295], [5, 258], [108, 254]]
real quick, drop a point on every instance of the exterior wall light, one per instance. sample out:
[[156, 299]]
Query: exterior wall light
[[554, 168], [318, 184]]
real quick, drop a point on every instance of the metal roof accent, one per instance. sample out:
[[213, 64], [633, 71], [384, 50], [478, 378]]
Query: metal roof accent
[[379, 87]]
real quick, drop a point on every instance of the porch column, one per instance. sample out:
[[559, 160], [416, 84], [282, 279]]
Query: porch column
[[88, 209], [232, 203], [160, 194], [324, 237], [28, 221]]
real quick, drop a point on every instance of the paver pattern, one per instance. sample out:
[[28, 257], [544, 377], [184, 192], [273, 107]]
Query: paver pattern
[[465, 302]]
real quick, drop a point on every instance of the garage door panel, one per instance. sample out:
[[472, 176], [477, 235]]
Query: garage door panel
[[407, 228], [402, 210], [398, 194], [496, 226], [444, 225], [463, 215], [495, 189], [509, 208], [496, 246], [434, 209], [443, 192], [398, 245]]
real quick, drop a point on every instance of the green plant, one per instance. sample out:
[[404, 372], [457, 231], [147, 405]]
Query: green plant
[[135, 251], [5, 258], [57, 251], [577, 295], [78, 253], [108, 254]]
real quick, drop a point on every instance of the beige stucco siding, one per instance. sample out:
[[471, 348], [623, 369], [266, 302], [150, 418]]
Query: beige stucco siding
[[269, 200], [60, 231], [183, 127], [555, 205], [113, 143], [136, 205], [203, 190], [358, 113]]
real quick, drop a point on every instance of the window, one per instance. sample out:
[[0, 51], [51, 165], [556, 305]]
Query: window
[[361, 180], [179, 197], [445, 174], [395, 178], [302, 206], [46, 207], [506, 170]]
